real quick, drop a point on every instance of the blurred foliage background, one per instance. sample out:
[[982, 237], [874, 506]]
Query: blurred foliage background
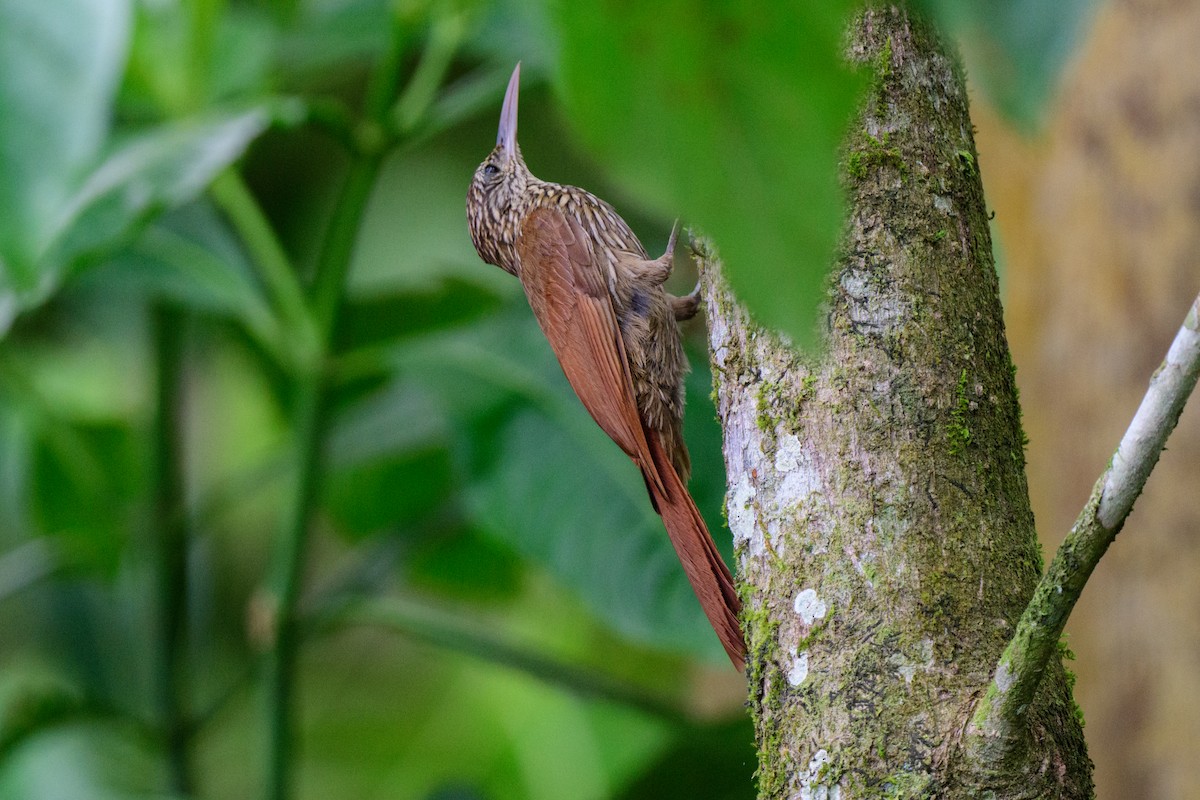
[[293, 498]]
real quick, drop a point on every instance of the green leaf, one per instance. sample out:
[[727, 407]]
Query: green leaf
[[1016, 49], [327, 34], [23, 567], [384, 317], [89, 760], [389, 465], [151, 173], [82, 362], [465, 98], [730, 115], [195, 55], [31, 699], [512, 736], [190, 257], [578, 506], [467, 566], [242, 51], [86, 483], [545, 480], [16, 447], [515, 30], [419, 200], [59, 66], [715, 761]]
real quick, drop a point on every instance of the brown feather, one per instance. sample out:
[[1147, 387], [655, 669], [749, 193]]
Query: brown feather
[[565, 287], [566, 293], [598, 297], [702, 563]]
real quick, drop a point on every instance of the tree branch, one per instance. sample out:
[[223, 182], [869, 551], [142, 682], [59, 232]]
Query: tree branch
[[1157, 416], [996, 728]]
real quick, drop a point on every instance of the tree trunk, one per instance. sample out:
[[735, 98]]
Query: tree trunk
[[877, 496]]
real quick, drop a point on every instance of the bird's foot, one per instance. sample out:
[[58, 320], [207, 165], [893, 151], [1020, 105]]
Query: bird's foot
[[686, 307]]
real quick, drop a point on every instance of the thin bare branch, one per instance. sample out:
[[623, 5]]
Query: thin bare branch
[[995, 732]]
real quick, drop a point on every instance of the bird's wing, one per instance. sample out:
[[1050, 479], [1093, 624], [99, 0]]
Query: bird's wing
[[567, 289], [568, 292]]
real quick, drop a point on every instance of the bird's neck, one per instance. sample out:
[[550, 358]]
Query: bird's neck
[[523, 193], [526, 193]]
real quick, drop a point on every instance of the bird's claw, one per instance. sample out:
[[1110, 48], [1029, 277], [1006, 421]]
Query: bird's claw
[[686, 307], [670, 253]]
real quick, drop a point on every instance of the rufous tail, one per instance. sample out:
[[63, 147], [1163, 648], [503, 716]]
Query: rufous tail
[[697, 552]]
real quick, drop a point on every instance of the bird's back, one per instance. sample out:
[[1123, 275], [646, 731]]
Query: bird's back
[[651, 336]]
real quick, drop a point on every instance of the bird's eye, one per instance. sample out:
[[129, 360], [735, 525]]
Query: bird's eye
[[490, 169]]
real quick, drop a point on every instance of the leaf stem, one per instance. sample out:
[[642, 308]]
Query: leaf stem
[[275, 269], [334, 261], [172, 544], [312, 419], [312, 424], [437, 627], [445, 36]]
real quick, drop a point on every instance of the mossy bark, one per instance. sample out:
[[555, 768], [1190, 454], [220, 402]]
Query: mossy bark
[[877, 497]]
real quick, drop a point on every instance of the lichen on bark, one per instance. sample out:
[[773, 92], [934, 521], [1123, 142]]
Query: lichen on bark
[[877, 494]]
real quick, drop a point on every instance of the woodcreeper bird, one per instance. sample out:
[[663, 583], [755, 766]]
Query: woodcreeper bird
[[599, 299]]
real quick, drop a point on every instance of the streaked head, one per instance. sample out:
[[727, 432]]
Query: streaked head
[[498, 184]]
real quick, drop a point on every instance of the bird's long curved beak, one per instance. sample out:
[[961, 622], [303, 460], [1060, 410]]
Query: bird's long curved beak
[[507, 135]]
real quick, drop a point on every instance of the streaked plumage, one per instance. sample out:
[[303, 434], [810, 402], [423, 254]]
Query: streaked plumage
[[598, 297]]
